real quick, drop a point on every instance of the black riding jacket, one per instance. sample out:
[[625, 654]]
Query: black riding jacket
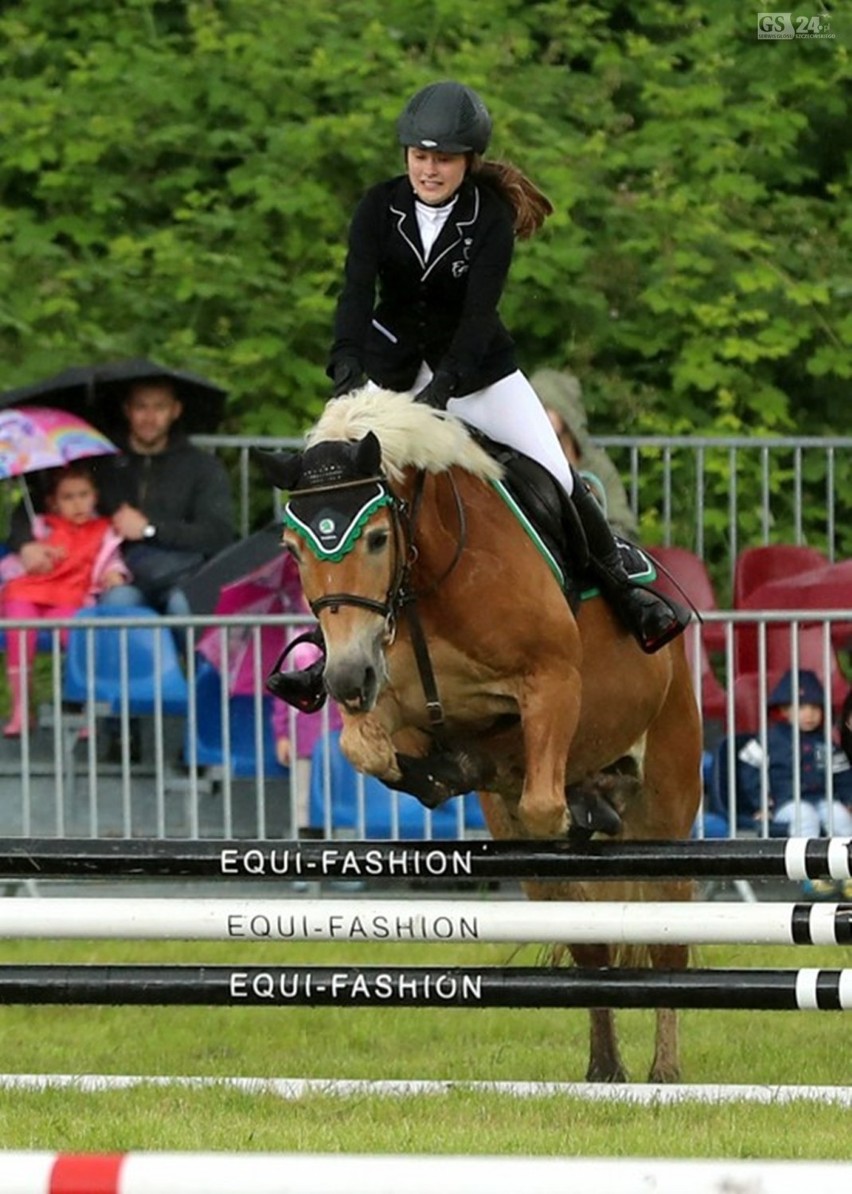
[[442, 310]]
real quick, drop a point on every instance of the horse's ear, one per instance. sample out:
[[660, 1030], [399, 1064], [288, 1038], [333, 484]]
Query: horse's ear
[[368, 459], [281, 469]]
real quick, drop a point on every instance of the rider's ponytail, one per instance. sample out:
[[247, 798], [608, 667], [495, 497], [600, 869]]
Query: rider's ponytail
[[531, 206]]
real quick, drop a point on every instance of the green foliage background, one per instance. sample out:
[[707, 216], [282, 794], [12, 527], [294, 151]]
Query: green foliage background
[[176, 179]]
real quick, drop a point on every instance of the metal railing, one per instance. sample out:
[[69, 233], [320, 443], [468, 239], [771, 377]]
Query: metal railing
[[205, 766], [711, 494]]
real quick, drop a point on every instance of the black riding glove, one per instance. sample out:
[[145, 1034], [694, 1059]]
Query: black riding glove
[[347, 375], [439, 390]]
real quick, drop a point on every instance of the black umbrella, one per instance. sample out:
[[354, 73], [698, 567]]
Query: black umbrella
[[231, 564], [94, 392]]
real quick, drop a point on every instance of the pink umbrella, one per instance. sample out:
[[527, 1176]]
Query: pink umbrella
[[37, 437], [273, 588], [40, 437]]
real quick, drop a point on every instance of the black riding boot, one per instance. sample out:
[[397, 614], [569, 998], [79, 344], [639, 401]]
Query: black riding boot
[[653, 620], [303, 689]]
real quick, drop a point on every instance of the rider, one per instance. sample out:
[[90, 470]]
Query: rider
[[438, 242]]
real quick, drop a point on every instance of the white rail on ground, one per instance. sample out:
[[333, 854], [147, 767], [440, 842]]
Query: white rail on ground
[[648, 1094], [225, 1173]]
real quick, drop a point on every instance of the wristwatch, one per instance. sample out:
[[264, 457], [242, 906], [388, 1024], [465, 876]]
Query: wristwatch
[[149, 532]]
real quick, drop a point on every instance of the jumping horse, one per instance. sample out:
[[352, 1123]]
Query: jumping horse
[[459, 664]]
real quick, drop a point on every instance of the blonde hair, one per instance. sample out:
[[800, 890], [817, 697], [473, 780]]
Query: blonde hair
[[531, 206]]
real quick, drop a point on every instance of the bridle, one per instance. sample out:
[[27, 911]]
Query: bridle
[[401, 597]]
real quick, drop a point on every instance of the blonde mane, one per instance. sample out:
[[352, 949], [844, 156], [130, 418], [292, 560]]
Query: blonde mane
[[412, 434]]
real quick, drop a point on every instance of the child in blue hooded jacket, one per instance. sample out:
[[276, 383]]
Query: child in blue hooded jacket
[[811, 816]]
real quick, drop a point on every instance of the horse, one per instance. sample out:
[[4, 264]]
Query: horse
[[459, 664]]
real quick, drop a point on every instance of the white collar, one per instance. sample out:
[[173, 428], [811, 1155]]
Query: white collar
[[430, 221]]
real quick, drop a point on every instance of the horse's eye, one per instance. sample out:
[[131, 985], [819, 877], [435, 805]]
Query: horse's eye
[[377, 540]]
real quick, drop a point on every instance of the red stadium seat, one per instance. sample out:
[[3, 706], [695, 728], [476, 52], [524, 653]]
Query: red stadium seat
[[681, 569], [756, 565]]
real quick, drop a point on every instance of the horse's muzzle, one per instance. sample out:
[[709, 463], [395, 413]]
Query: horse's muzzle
[[355, 683], [355, 694]]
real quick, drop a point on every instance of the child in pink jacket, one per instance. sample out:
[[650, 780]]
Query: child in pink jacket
[[83, 559]]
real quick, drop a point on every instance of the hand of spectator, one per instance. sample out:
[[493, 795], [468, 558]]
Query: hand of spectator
[[129, 522], [40, 557], [283, 751], [111, 579]]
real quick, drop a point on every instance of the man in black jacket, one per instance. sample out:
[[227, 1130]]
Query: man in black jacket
[[170, 501]]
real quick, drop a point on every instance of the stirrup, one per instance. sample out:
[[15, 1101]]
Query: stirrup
[[303, 689], [678, 618]]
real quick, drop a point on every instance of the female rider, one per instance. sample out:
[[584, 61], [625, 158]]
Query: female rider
[[437, 244]]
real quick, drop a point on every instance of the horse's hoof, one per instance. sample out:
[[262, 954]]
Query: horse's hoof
[[434, 779], [591, 813], [611, 1075], [664, 1076]]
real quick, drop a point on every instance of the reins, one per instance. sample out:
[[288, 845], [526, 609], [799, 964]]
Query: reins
[[434, 708]]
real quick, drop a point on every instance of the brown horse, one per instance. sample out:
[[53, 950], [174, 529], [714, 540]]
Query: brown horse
[[458, 662]]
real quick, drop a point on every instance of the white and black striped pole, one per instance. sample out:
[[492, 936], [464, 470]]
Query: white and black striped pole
[[426, 986], [407, 920], [792, 858]]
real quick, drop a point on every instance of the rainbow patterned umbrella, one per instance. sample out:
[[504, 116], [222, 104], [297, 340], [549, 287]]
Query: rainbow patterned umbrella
[[39, 437]]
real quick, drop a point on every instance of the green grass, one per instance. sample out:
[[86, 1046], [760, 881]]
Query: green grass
[[485, 1044], [459, 1122]]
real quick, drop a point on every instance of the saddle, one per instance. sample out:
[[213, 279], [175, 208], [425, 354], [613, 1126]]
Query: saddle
[[553, 518], [546, 506]]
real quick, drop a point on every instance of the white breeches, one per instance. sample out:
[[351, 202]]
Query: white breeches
[[511, 412]]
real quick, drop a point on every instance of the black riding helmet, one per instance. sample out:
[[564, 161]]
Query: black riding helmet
[[447, 117]]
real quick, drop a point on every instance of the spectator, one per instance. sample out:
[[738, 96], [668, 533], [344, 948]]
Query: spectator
[[810, 818], [812, 815], [562, 398], [170, 501], [74, 557], [748, 760]]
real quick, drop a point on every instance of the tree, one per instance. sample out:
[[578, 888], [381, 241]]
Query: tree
[[176, 179]]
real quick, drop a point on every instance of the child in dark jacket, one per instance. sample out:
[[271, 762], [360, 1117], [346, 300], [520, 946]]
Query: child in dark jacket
[[812, 815]]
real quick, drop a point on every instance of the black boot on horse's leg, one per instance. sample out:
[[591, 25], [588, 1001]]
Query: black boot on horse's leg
[[653, 620], [303, 689]]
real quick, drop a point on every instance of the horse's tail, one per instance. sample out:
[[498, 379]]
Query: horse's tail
[[633, 957]]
